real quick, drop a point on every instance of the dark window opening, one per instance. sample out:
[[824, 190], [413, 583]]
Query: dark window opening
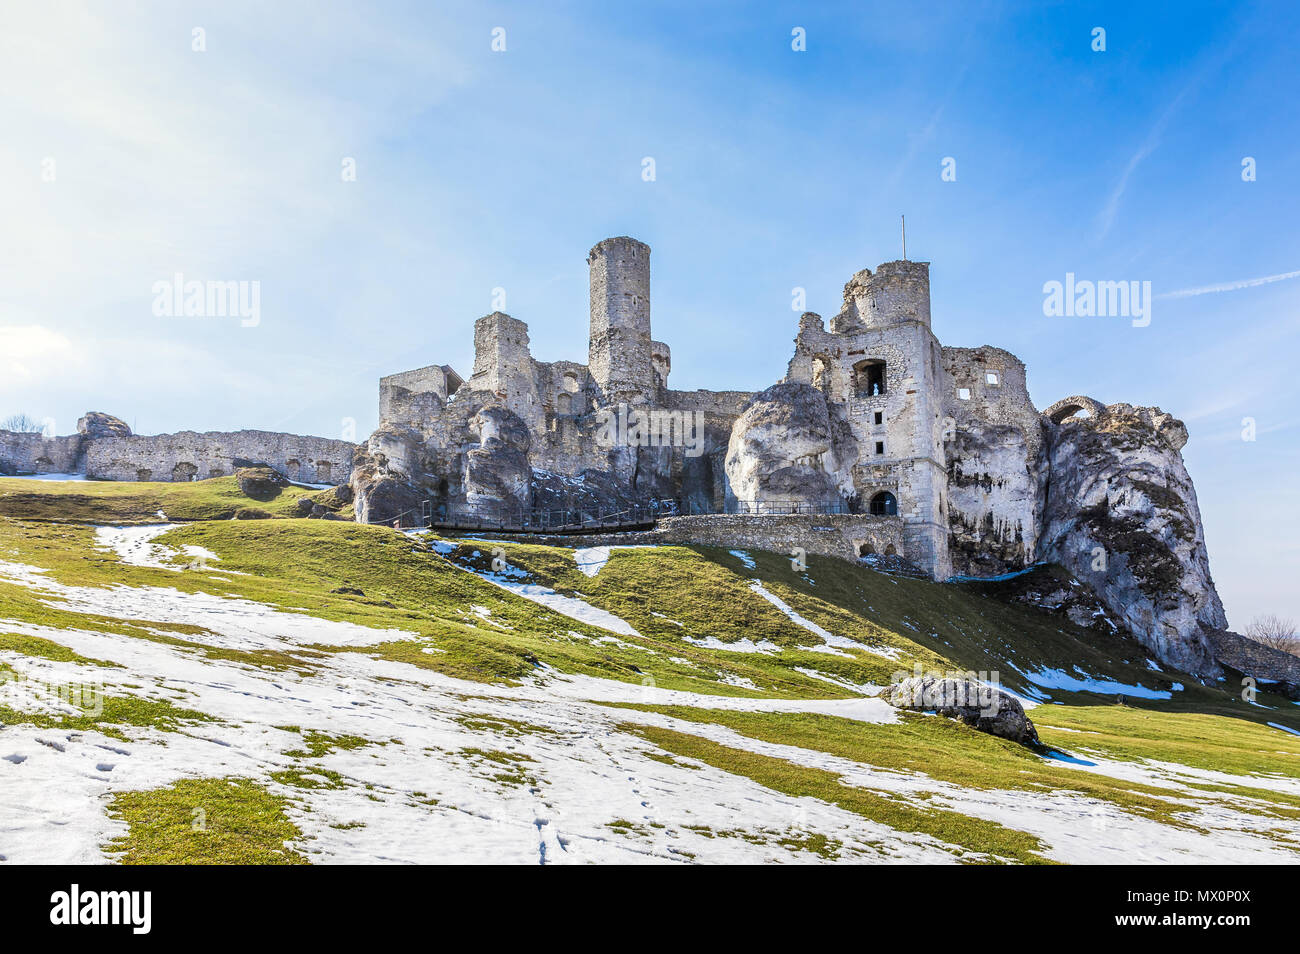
[[869, 377], [880, 447], [880, 417], [883, 504]]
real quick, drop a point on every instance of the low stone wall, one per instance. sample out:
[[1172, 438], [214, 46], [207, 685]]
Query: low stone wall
[[187, 455], [33, 453], [1251, 658], [836, 535]]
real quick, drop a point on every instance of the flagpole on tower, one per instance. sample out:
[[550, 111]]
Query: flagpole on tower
[[903, 223]]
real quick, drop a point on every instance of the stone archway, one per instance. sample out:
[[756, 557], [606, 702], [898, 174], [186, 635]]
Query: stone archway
[[884, 504], [183, 472], [1066, 408]]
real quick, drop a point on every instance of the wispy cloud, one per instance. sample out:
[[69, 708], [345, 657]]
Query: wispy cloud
[[1230, 286]]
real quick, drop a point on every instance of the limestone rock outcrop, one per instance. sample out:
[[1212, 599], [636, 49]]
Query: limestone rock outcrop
[[1121, 514], [978, 705], [497, 473], [99, 424], [788, 447]]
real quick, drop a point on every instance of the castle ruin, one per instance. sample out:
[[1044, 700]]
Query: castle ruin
[[878, 440]]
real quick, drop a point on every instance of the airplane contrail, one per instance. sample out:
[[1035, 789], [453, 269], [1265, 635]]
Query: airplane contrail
[[1229, 286]]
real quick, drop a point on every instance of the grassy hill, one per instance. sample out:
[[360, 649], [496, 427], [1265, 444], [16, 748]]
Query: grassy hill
[[321, 690]]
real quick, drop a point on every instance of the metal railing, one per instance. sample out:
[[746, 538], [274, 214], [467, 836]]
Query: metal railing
[[565, 519], [572, 518]]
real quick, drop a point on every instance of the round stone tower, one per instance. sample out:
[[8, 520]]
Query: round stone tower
[[897, 292], [619, 355]]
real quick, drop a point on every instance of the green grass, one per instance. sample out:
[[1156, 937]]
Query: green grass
[[131, 502], [205, 821], [41, 648], [375, 577], [109, 714], [319, 744], [941, 749], [989, 840]]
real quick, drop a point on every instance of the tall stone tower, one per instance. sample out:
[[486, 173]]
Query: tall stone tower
[[619, 355], [897, 292]]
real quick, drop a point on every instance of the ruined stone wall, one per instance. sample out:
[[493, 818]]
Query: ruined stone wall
[[1264, 663], [845, 536], [504, 367], [896, 428], [997, 473], [33, 453], [192, 456], [896, 292], [402, 405]]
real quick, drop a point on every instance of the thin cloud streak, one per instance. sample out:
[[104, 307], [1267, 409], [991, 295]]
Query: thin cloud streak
[[1230, 286]]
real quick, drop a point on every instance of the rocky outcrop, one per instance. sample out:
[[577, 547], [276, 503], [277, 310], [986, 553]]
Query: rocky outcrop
[[1050, 588], [387, 474], [996, 486], [788, 447], [260, 483], [498, 477], [978, 705], [1121, 515], [99, 424]]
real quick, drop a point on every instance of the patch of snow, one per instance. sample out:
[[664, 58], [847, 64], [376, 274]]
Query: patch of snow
[[731, 679], [831, 641], [58, 478], [744, 558], [572, 607], [591, 560], [861, 688], [1060, 679], [735, 646]]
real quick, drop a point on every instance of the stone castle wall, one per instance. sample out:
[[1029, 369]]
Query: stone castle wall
[[33, 453], [845, 536], [192, 456], [996, 469]]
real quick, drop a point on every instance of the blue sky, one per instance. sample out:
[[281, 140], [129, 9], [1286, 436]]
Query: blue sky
[[774, 169]]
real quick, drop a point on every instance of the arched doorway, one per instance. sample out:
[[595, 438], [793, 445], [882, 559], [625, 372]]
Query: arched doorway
[[884, 504]]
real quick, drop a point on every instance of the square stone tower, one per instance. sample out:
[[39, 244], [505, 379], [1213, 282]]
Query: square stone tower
[[882, 364], [620, 351]]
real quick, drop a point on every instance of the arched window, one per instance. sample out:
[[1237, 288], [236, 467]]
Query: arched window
[[883, 504], [869, 377]]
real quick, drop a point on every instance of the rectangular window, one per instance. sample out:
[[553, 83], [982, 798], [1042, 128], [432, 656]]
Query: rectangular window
[[963, 394], [992, 378], [880, 417], [880, 447]]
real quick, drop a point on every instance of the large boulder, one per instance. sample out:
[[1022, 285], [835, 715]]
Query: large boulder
[[788, 447], [980, 706], [1121, 515], [260, 483], [99, 424]]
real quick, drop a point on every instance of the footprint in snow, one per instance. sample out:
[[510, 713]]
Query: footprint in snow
[[16, 758], [104, 767]]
